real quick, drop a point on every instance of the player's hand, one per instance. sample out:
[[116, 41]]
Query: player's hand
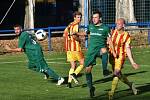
[[76, 37], [114, 54], [135, 66], [7, 48], [88, 69]]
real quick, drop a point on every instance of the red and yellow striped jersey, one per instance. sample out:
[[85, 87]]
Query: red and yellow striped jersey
[[70, 43], [120, 40]]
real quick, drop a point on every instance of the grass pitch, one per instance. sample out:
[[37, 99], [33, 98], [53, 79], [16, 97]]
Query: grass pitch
[[19, 83]]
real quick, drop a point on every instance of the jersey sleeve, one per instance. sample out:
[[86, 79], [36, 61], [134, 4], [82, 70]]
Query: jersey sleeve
[[22, 40], [66, 31]]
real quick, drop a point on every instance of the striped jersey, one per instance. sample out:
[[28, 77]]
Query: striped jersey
[[70, 43], [120, 40]]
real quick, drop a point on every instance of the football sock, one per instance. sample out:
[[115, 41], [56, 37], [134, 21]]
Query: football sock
[[124, 79], [89, 80], [71, 71], [104, 60], [114, 84], [79, 68], [51, 73]]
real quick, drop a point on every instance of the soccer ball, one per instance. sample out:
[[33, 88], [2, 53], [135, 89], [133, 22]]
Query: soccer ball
[[40, 34]]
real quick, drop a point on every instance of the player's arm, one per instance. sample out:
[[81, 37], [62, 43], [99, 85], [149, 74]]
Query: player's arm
[[130, 57], [65, 32], [80, 33], [109, 41], [13, 49]]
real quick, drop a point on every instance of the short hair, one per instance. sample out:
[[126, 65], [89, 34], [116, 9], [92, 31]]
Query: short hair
[[17, 25], [122, 20], [97, 12], [77, 13]]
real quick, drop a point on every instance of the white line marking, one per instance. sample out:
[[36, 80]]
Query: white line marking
[[50, 62]]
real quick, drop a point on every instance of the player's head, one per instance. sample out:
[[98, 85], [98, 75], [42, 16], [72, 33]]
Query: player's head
[[120, 23], [97, 17], [77, 16], [18, 29]]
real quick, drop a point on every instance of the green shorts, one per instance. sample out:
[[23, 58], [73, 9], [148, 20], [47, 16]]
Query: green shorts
[[36, 60], [38, 66], [91, 56]]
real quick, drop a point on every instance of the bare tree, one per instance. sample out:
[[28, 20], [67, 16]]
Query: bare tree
[[125, 9], [29, 14]]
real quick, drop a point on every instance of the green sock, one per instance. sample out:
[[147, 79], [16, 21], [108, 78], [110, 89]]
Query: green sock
[[51, 73], [89, 80], [124, 79], [104, 60]]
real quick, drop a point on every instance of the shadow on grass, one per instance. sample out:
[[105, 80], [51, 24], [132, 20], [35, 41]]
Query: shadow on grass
[[110, 78], [128, 93]]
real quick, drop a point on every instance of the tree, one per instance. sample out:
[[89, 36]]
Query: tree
[[125, 9], [29, 14]]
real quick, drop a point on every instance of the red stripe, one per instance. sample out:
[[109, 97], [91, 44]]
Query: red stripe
[[74, 43], [123, 50], [119, 44], [70, 40], [66, 40], [66, 44]]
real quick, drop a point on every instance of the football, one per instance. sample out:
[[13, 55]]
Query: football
[[40, 34]]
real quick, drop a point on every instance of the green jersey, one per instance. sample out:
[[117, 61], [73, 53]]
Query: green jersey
[[27, 42], [98, 40], [30, 46], [98, 35]]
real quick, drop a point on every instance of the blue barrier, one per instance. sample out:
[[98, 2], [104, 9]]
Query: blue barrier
[[50, 29]]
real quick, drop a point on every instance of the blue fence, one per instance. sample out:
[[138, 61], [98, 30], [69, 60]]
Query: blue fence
[[51, 29]]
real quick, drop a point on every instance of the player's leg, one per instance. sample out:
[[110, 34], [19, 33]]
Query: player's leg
[[116, 74], [124, 79], [80, 58], [72, 59], [48, 71], [32, 66], [104, 54], [114, 84], [89, 62], [89, 81], [71, 71]]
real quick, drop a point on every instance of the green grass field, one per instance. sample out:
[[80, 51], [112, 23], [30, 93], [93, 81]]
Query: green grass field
[[19, 83]]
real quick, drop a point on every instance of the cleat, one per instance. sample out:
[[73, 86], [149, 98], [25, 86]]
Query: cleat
[[46, 77], [74, 77], [69, 85], [110, 95], [60, 81], [107, 73], [92, 90], [134, 90]]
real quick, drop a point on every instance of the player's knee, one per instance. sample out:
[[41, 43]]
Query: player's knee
[[88, 69], [117, 73], [103, 51]]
